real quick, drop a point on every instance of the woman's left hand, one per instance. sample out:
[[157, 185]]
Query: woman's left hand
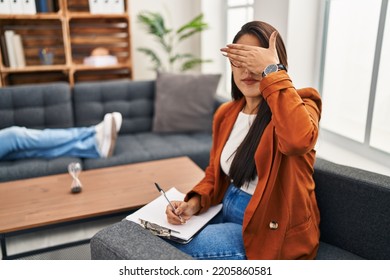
[[253, 58]]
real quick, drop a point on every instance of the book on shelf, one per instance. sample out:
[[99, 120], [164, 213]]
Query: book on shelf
[[5, 7], [16, 6], [50, 6], [19, 51], [45, 6], [95, 6], [15, 51], [106, 6], [153, 218], [9, 40], [56, 5], [4, 53], [116, 6], [29, 7]]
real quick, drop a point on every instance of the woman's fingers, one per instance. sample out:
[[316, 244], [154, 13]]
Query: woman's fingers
[[172, 218], [253, 58], [238, 47], [176, 216], [237, 57], [272, 41]]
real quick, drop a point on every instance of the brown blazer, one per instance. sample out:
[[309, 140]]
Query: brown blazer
[[282, 217]]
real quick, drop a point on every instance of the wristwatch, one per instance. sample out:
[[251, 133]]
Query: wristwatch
[[273, 68]]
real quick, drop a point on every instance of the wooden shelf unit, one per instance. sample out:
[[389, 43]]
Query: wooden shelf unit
[[71, 33]]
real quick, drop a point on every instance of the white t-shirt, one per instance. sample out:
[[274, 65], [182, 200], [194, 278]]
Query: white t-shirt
[[239, 131]]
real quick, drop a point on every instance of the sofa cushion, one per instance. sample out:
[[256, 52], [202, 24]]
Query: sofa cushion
[[330, 252], [133, 99], [36, 106], [29, 168], [184, 102], [355, 209], [147, 146]]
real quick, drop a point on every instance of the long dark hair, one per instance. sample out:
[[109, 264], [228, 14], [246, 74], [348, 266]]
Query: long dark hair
[[243, 168]]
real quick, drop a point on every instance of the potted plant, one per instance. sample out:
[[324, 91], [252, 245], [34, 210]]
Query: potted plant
[[169, 39]]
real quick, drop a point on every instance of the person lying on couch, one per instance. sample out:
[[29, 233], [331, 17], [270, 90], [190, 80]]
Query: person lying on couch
[[85, 142]]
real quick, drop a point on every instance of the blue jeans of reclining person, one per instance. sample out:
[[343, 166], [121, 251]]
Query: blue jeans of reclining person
[[20, 142], [221, 239]]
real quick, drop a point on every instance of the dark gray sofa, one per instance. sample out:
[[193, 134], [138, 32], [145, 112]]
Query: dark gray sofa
[[57, 105], [355, 221]]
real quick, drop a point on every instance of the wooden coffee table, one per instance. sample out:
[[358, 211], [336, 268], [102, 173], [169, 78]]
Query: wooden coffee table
[[47, 201]]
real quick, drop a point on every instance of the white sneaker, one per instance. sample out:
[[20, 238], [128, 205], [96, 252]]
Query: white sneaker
[[106, 134], [118, 120]]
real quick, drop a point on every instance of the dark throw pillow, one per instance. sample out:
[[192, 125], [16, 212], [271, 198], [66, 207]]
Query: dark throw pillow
[[184, 102]]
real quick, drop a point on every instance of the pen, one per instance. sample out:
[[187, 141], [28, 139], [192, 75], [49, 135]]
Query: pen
[[163, 193]]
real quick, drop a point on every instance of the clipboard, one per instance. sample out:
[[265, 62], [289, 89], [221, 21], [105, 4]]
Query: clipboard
[[153, 218]]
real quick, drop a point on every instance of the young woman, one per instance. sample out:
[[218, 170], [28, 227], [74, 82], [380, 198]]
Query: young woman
[[261, 161], [86, 142]]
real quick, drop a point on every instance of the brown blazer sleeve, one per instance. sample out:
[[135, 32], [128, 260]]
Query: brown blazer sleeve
[[295, 114]]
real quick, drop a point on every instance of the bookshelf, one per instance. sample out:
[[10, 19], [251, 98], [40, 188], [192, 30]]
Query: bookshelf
[[70, 33]]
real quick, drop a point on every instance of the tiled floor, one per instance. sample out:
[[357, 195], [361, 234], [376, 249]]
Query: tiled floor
[[81, 252]]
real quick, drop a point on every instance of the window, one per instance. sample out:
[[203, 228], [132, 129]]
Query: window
[[380, 129], [353, 83], [239, 12]]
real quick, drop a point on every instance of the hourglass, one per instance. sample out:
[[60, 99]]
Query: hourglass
[[74, 169]]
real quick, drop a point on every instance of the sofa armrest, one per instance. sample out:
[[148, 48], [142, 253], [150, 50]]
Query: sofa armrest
[[127, 240], [355, 209]]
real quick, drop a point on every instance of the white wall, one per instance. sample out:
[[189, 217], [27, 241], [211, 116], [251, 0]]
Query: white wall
[[274, 12], [213, 39]]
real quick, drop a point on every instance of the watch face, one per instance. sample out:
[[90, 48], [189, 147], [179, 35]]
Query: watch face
[[270, 69]]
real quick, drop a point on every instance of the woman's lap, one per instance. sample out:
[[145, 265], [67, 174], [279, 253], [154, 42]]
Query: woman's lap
[[222, 237], [221, 241]]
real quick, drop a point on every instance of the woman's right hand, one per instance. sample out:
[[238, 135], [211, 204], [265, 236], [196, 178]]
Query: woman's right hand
[[183, 209], [253, 58]]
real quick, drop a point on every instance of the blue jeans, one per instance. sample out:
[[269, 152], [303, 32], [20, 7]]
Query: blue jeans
[[221, 239], [20, 142]]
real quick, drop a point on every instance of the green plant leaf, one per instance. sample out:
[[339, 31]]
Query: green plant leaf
[[194, 26], [190, 64], [194, 22], [153, 56], [179, 57], [154, 22]]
